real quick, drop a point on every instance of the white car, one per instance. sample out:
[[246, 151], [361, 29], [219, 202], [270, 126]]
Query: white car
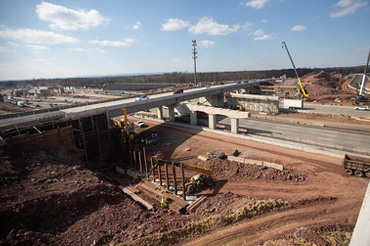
[[140, 123], [143, 97], [362, 107]]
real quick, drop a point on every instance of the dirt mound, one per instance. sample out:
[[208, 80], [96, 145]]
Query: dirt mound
[[7, 108], [324, 85], [240, 171], [50, 198]]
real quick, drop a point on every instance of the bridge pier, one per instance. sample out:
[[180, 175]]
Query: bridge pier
[[193, 118], [234, 125], [212, 121], [171, 112], [160, 112]]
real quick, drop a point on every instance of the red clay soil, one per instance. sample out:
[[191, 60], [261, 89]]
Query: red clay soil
[[50, 198], [321, 86]]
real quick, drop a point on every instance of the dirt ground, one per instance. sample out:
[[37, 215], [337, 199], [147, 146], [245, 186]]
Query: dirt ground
[[48, 197]]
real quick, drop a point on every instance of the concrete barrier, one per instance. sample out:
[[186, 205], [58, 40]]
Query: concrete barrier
[[236, 159], [256, 162], [273, 165], [253, 162]]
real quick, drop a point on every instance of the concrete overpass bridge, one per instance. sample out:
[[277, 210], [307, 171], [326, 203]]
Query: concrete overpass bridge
[[112, 109]]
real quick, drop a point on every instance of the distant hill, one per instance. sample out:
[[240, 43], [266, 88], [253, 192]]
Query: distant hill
[[174, 78]]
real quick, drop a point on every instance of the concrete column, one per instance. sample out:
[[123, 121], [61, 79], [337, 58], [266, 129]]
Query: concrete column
[[110, 123], [216, 100], [193, 118], [234, 125], [212, 121], [171, 112], [160, 113]]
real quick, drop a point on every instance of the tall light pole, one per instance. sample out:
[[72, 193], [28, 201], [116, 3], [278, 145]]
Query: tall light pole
[[194, 43]]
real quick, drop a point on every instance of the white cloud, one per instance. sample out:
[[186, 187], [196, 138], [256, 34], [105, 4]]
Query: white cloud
[[264, 21], [259, 32], [299, 28], [68, 19], [258, 4], [37, 47], [126, 42], [264, 37], [33, 36], [207, 43], [210, 27], [176, 59], [344, 3], [137, 25], [348, 7], [79, 50], [13, 44], [247, 26], [174, 24], [100, 50], [260, 35], [4, 50]]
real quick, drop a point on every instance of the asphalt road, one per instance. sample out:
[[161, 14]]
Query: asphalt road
[[296, 132], [347, 110]]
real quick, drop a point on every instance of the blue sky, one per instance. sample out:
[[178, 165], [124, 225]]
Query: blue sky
[[54, 39]]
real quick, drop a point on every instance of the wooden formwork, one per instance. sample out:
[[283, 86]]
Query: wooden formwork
[[175, 203], [57, 137]]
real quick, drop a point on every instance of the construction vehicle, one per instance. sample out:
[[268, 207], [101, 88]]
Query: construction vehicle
[[217, 154], [360, 99], [198, 180], [237, 107], [303, 93], [356, 165], [290, 103]]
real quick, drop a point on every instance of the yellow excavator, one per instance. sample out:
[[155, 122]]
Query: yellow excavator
[[198, 180], [303, 94]]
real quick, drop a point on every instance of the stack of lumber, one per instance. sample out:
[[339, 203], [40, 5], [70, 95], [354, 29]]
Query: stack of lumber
[[175, 203]]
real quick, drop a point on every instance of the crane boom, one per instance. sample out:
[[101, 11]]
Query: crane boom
[[304, 94], [362, 88]]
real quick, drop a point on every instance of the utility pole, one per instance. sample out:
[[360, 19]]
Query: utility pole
[[194, 43]]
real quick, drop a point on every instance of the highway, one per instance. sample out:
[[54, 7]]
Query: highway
[[296, 132], [346, 110]]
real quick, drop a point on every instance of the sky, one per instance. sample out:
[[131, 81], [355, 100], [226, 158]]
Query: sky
[[58, 39]]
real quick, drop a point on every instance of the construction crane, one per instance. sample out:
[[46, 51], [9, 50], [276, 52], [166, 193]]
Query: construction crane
[[362, 88], [359, 98], [303, 92]]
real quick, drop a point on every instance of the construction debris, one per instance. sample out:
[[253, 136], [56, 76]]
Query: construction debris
[[141, 201], [203, 158], [217, 154], [193, 206], [175, 203]]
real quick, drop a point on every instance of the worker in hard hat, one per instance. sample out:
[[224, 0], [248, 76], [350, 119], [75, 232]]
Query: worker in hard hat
[[163, 201]]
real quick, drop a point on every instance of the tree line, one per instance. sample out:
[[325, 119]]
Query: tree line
[[175, 77]]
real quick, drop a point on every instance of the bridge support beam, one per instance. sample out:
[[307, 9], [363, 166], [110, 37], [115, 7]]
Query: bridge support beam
[[160, 113], [234, 125], [212, 121], [193, 118], [171, 112], [109, 121]]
